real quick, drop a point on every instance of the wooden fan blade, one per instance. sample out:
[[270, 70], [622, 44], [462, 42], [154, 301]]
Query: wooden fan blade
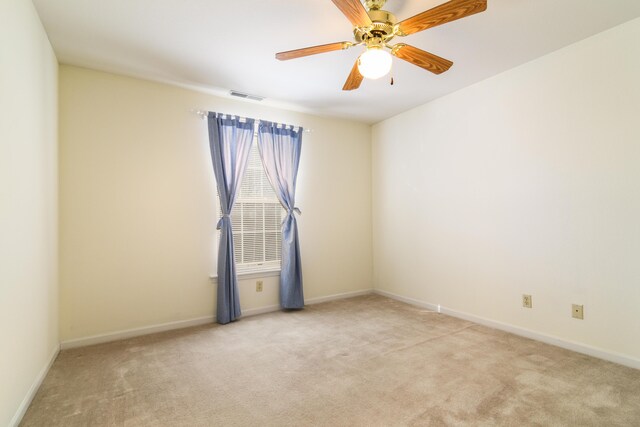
[[422, 59], [446, 12], [313, 50], [354, 11], [354, 79]]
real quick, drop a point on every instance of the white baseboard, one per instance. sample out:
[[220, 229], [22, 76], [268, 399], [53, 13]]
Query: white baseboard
[[352, 294], [417, 303], [271, 308], [260, 310], [516, 330], [28, 398], [152, 329], [130, 333]]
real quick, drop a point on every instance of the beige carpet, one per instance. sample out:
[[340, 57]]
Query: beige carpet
[[366, 361]]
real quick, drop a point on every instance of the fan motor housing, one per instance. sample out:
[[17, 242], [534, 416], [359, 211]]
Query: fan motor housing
[[374, 4], [382, 27]]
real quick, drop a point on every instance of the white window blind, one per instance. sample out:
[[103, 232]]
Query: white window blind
[[256, 217]]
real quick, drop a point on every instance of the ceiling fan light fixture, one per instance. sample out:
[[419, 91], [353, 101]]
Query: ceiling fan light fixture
[[374, 63], [375, 27]]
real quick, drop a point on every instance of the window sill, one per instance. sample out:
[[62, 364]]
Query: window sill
[[252, 275]]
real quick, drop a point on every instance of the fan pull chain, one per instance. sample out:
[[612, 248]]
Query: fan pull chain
[[391, 74]]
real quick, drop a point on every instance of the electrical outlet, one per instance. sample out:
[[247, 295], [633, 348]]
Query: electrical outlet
[[577, 311], [526, 301], [259, 286]]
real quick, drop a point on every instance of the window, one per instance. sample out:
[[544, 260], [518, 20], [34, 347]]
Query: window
[[256, 217]]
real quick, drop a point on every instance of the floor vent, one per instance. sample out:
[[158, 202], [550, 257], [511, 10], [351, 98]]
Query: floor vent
[[246, 95]]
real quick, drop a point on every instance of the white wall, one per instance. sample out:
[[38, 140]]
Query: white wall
[[137, 204], [528, 182], [28, 206]]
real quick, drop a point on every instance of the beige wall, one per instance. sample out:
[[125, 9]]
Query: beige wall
[[136, 204], [28, 205], [528, 182]]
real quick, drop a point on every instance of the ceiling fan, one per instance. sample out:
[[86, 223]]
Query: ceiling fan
[[376, 27]]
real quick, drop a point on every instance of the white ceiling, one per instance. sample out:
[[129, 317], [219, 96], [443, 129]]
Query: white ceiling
[[223, 45]]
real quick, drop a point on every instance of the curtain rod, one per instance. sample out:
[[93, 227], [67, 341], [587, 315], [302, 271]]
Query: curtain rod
[[203, 115]]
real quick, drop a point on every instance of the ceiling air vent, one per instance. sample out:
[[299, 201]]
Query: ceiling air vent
[[246, 95]]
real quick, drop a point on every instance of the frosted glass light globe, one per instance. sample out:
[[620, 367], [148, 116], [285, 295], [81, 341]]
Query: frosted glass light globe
[[374, 63]]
